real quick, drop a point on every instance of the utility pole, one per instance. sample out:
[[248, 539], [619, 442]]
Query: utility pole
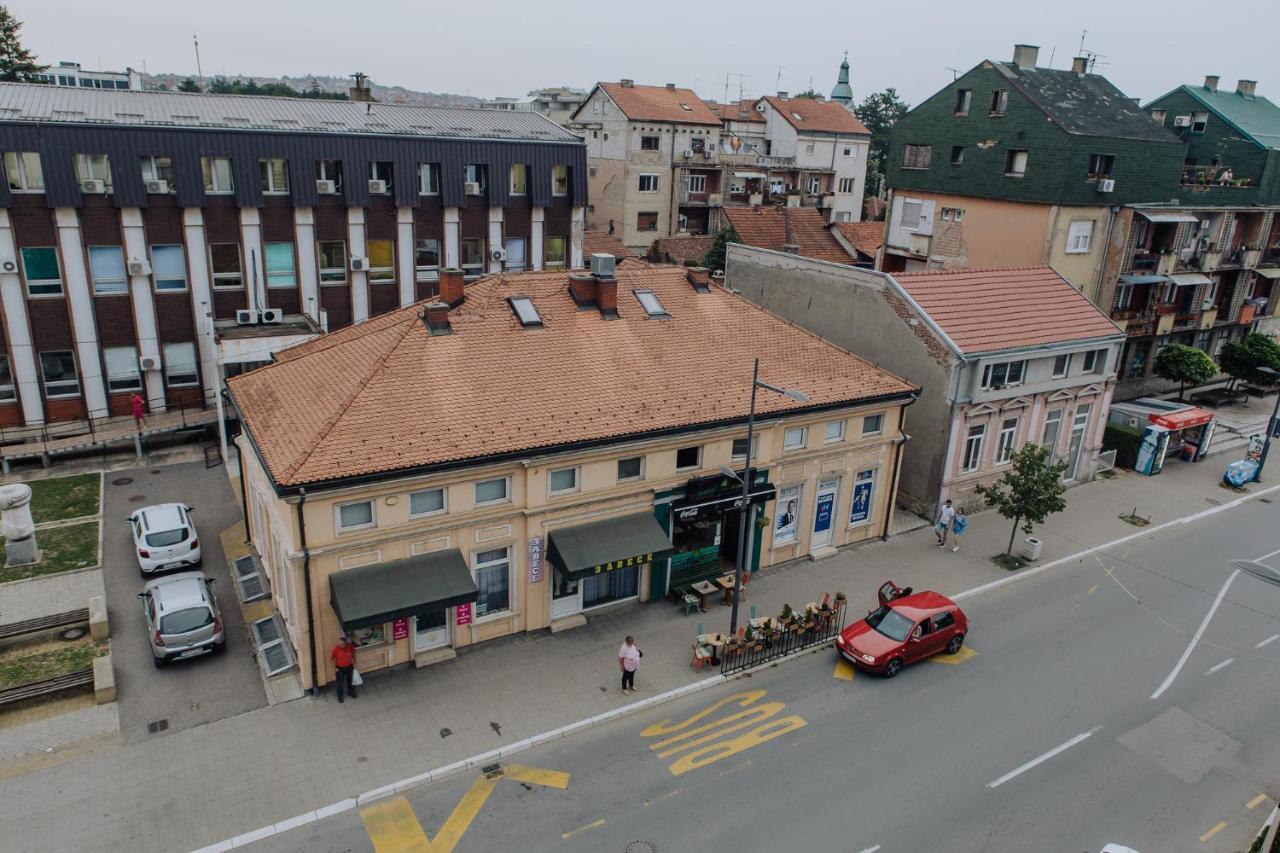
[[195, 39]]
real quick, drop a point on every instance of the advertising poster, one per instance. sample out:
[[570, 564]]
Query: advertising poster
[[464, 613], [861, 510], [784, 529], [400, 628]]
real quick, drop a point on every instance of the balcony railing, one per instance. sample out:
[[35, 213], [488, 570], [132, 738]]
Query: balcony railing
[[763, 161], [1213, 176]]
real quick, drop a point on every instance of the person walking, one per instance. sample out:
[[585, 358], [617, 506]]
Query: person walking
[[139, 410], [945, 517], [958, 524], [344, 664], [629, 661]]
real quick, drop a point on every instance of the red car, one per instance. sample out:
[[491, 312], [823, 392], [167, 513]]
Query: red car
[[906, 627]]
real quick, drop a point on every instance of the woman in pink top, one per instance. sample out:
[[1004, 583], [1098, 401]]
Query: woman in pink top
[[628, 661], [139, 410]]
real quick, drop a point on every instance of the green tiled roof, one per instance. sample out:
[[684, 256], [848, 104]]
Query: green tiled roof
[[1084, 104], [1255, 116]]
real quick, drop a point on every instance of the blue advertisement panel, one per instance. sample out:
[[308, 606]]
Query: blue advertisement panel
[[861, 509], [822, 518]]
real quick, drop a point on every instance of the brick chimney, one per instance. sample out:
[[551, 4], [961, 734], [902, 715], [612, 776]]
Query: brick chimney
[[1025, 55], [1246, 87], [436, 315], [1080, 65], [627, 83], [607, 296], [582, 287], [699, 278], [1211, 82], [360, 91], [782, 95], [451, 287], [671, 86]]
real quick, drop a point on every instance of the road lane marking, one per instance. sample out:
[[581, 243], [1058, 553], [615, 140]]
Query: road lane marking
[[964, 654], [1093, 589], [1256, 801], [661, 797], [1196, 638], [394, 828], [537, 776], [1217, 666], [871, 849], [708, 743], [1041, 759], [1218, 827], [843, 671], [582, 828], [1268, 641]]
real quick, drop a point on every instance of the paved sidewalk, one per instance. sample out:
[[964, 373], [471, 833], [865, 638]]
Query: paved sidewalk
[[39, 596], [276, 762]]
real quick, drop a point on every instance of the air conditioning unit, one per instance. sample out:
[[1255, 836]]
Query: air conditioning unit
[[603, 264], [8, 265], [1106, 185], [688, 155], [149, 362], [246, 316], [715, 199], [272, 316], [157, 187], [326, 187], [709, 154], [359, 264], [378, 187], [139, 267], [473, 188], [1182, 121], [93, 187], [1208, 303], [498, 254]]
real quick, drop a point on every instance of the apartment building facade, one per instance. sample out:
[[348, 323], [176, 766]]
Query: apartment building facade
[[153, 242]]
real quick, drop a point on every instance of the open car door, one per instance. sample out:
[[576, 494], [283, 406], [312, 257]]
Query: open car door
[[888, 592]]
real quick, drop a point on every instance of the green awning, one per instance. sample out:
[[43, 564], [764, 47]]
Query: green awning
[[605, 546], [371, 595]]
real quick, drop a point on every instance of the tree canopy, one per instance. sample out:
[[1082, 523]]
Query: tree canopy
[[226, 86], [879, 111], [1241, 359], [1029, 492], [715, 255], [17, 64], [1184, 365], [189, 85]]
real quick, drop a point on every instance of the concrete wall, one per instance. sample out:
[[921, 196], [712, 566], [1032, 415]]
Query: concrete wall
[[858, 310], [1080, 268], [992, 232]]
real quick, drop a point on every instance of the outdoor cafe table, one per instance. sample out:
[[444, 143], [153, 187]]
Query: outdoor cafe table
[[715, 642], [703, 589], [725, 582]]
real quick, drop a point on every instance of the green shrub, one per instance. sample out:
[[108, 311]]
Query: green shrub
[[1125, 441]]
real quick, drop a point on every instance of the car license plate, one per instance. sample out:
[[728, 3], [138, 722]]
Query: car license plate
[[190, 653]]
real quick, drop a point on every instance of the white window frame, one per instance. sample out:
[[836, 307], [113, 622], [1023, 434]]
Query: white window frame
[[385, 171], [1052, 418], [383, 274], [808, 148], [795, 438], [122, 369], [1065, 361], [366, 525], [878, 419], [219, 177], [24, 171], [999, 102], [426, 272], [506, 491], [444, 502], [523, 171], [693, 467], [974, 440], [330, 170], [547, 262], [907, 222], [183, 379], [1006, 440], [1199, 122], [577, 481], [559, 178], [267, 167], [275, 276], [846, 185], [108, 285], [476, 173], [652, 179], [428, 179], [1095, 361], [1013, 158], [477, 565], [1079, 237], [815, 185], [1124, 295], [476, 268], [164, 283], [46, 285], [634, 477], [990, 369], [697, 183], [331, 276], [49, 386], [153, 170], [220, 280], [840, 427], [94, 167], [737, 456]]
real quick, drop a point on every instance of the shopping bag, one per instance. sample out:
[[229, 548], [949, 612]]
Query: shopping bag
[[356, 680]]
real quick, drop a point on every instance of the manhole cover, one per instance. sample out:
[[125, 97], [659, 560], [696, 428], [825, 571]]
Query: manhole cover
[[157, 726], [155, 470], [74, 633], [122, 481], [137, 499], [639, 847]]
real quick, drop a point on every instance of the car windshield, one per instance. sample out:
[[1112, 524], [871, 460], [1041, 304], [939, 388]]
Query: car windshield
[[164, 538], [890, 622], [182, 621]]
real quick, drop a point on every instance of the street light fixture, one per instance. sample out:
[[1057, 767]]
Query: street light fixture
[[746, 516], [1271, 424]]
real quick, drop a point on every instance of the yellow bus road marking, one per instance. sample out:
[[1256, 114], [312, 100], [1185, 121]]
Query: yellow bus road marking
[[704, 743], [394, 828], [965, 654], [844, 670], [1093, 589], [1256, 801], [537, 776], [1218, 827], [583, 828], [661, 797]]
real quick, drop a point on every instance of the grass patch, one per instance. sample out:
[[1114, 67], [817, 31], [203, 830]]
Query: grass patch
[[64, 497], [62, 549], [1009, 562], [29, 664]]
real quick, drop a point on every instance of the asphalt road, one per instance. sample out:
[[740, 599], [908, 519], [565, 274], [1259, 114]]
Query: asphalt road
[[1047, 739], [189, 692]]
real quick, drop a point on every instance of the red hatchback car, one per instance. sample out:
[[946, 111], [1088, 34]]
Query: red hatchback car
[[906, 627]]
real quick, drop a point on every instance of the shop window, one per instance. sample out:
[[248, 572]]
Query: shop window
[[224, 258], [7, 391], [122, 369], [786, 525], [795, 438], [864, 484], [280, 265], [106, 268], [491, 491], [973, 447], [562, 481], [382, 261], [688, 458], [180, 364], [493, 579], [168, 268], [273, 176], [372, 635], [355, 515], [1061, 366], [429, 179], [834, 431], [333, 261], [631, 468], [519, 179], [426, 502], [426, 259], [872, 424], [1005, 441], [24, 172], [41, 270], [58, 369], [218, 179]]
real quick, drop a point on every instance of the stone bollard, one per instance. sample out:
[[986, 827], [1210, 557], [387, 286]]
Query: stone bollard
[[16, 526], [104, 680], [98, 627]]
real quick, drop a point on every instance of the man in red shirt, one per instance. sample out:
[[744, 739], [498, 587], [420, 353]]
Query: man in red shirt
[[344, 663]]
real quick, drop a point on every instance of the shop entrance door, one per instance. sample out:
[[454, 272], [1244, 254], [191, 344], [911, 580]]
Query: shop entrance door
[[431, 631], [1077, 443], [566, 597], [824, 513]]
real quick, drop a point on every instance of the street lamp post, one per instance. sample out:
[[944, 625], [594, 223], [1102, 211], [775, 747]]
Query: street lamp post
[[746, 517], [1271, 424]]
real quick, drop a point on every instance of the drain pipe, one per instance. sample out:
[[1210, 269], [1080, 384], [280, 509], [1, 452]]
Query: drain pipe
[[897, 466], [306, 582]]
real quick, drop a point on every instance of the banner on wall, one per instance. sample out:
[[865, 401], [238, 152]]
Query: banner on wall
[[536, 553], [400, 628], [784, 529], [463, 612], [861, 509]]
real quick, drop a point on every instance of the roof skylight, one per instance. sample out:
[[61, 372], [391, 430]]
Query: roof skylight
[[525, 312], [649, 302]]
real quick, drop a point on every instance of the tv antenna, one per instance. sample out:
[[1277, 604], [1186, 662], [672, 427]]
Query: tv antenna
[[955, 73], [777, 83], [741, 77], [195, 39]]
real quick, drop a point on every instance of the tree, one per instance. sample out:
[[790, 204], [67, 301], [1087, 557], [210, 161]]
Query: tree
[[879, 111], [809, 93], [1184, 365], [1029, 492], [189, 85], [16, 62], [1241, 359], [715, 255]]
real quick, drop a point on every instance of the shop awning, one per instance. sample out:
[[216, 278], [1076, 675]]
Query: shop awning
[[1143, 279], [755, 176], [1181, 419], [1153, 216], [371, 595], [603, 546], [1185, 279], [1269, 272]]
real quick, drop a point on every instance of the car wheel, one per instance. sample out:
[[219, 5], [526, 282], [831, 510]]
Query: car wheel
[[159, 662], [956, 642], [219, 648], [893, 667]]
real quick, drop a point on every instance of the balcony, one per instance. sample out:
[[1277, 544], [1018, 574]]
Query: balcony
[[762, 161], [1213, 176], [1270, 257]]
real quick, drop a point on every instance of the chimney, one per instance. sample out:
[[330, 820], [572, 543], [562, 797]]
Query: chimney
[[451, 292], [1080, 65], [627, 84], [436, 315], [1246, 87], [671, 86], [1024, 55], [699, 278], [1211, 82], [607, 296], [582, 287], [782, 95], [361, 91]]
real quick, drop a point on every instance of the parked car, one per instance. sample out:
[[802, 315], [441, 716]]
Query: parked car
[[907, 626], [182, 617], [164, 537]]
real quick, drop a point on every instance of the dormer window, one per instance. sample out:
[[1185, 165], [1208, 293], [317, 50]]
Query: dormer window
[[649, 302], [686, 108], [522, 307]]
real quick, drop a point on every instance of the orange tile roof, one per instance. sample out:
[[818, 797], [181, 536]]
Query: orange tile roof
[[603, 241], [866, 237], [658, 103], [821, 116], [740, 111], [677, 250], [998, 309], [767, 227], [386, 396]]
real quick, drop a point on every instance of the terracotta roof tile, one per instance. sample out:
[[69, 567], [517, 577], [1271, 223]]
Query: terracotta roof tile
[[740, 111], [866, 237], [386, 395], [677, 250], [767, 228], [603, 241], [999, 309], [658, 103], [821, 116]]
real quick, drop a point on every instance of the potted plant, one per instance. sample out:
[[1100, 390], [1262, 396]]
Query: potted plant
[[841, 600], [787, 614]]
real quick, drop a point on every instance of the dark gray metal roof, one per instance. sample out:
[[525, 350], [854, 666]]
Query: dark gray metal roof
[[1084, 104], [63, 104]]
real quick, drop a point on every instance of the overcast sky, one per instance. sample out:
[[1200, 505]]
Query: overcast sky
[[488, 48]]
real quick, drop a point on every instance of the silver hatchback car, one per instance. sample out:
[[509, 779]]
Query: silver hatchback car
[[182, 617]]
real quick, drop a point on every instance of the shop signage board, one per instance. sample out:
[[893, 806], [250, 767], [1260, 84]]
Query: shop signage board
[[463, 612], [400, 628], [716, 494], [536, 552], [601, 568]]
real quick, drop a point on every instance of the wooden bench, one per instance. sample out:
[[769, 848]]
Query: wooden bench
[[44, 623], [48, 687], [1258, 390], [1215, 397]]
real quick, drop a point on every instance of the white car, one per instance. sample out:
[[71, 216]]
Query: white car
[[164, 537]]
